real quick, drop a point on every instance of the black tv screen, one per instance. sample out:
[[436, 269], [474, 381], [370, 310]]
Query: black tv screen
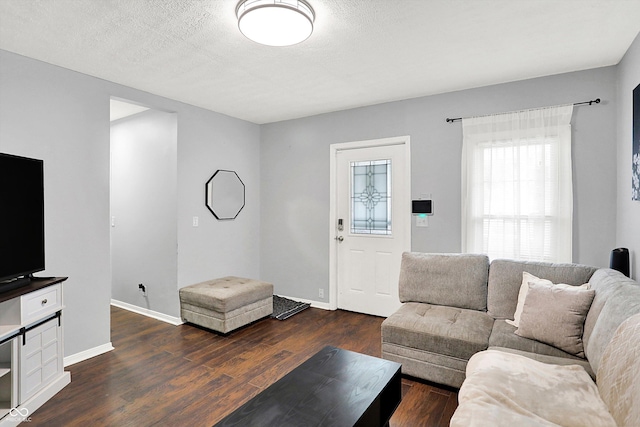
[[21, 216]]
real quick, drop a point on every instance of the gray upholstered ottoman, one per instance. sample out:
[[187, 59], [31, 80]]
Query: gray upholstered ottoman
[[226, 304]]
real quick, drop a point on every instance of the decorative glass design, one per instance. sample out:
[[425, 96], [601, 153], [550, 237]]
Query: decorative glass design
[[371, 197]]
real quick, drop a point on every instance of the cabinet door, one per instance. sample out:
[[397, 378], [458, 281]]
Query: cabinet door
[[40, 358], [8, 376]]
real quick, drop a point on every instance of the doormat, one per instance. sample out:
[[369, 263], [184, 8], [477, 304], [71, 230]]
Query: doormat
[[283, 308]]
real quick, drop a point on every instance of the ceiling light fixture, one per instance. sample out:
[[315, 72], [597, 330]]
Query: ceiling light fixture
[[275, 22]]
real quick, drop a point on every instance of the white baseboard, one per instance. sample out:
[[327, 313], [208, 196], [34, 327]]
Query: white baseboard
[[149, 313], [314, 304], [87, 354]]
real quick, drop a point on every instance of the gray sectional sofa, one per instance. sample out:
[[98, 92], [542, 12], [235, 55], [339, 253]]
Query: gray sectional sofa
[[456, 305]]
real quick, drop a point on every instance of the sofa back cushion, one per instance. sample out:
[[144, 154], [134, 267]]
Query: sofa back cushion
[[618, 377], [505, 278], [617, 298], [456, 280]]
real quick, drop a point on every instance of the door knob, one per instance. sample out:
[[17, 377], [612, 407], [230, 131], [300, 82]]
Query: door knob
[[339, 238]]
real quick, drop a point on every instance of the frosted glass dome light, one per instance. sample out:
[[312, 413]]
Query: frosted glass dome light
[[275, 22]]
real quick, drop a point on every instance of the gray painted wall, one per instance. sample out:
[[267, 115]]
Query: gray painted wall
[[62, 117], [52, 114], [144, 211], [628, 235], [281, 235], [207, 142], [295, 171]]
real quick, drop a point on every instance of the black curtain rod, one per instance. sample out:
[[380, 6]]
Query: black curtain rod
[[593, 101]]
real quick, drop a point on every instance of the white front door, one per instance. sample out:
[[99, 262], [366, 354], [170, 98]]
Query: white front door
[[372, 223]]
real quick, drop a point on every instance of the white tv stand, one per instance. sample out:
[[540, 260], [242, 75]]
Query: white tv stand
[[31, 349]]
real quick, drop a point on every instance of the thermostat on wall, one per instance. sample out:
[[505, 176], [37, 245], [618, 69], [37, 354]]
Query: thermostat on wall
[[421, 207]]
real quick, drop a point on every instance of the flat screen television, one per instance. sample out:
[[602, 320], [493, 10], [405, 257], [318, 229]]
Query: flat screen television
[[21, 219]]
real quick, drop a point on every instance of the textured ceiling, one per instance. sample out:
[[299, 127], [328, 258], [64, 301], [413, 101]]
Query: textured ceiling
[[362, 52]]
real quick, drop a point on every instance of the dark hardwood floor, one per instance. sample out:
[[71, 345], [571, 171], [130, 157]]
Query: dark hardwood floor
[[164, 375]]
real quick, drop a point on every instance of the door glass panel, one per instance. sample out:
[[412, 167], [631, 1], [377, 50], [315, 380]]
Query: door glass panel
[[371, 197]]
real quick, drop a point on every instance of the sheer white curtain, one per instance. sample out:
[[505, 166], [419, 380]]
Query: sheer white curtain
[[517, 198]]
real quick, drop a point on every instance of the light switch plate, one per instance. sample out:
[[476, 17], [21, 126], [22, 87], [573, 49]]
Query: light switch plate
[[422, 221]]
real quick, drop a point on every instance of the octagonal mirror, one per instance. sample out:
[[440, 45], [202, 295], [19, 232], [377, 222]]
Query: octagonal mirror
[[224, 194]]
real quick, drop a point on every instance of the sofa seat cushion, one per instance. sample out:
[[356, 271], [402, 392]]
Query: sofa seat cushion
[[439, 329], [504, 389], [503, 335], [227, 303], [226, 294]]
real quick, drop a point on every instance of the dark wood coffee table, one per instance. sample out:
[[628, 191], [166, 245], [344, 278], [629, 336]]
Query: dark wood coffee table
[[334, 388]]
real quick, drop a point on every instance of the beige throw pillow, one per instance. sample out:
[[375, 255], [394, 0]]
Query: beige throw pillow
[[524, 288], [555, 315]]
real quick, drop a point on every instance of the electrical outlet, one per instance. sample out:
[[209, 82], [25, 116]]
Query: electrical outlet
[[142, 289], [321, 293], [195, 221]]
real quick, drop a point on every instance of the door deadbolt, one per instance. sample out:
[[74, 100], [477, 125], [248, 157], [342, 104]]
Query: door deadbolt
[[339, 238]]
